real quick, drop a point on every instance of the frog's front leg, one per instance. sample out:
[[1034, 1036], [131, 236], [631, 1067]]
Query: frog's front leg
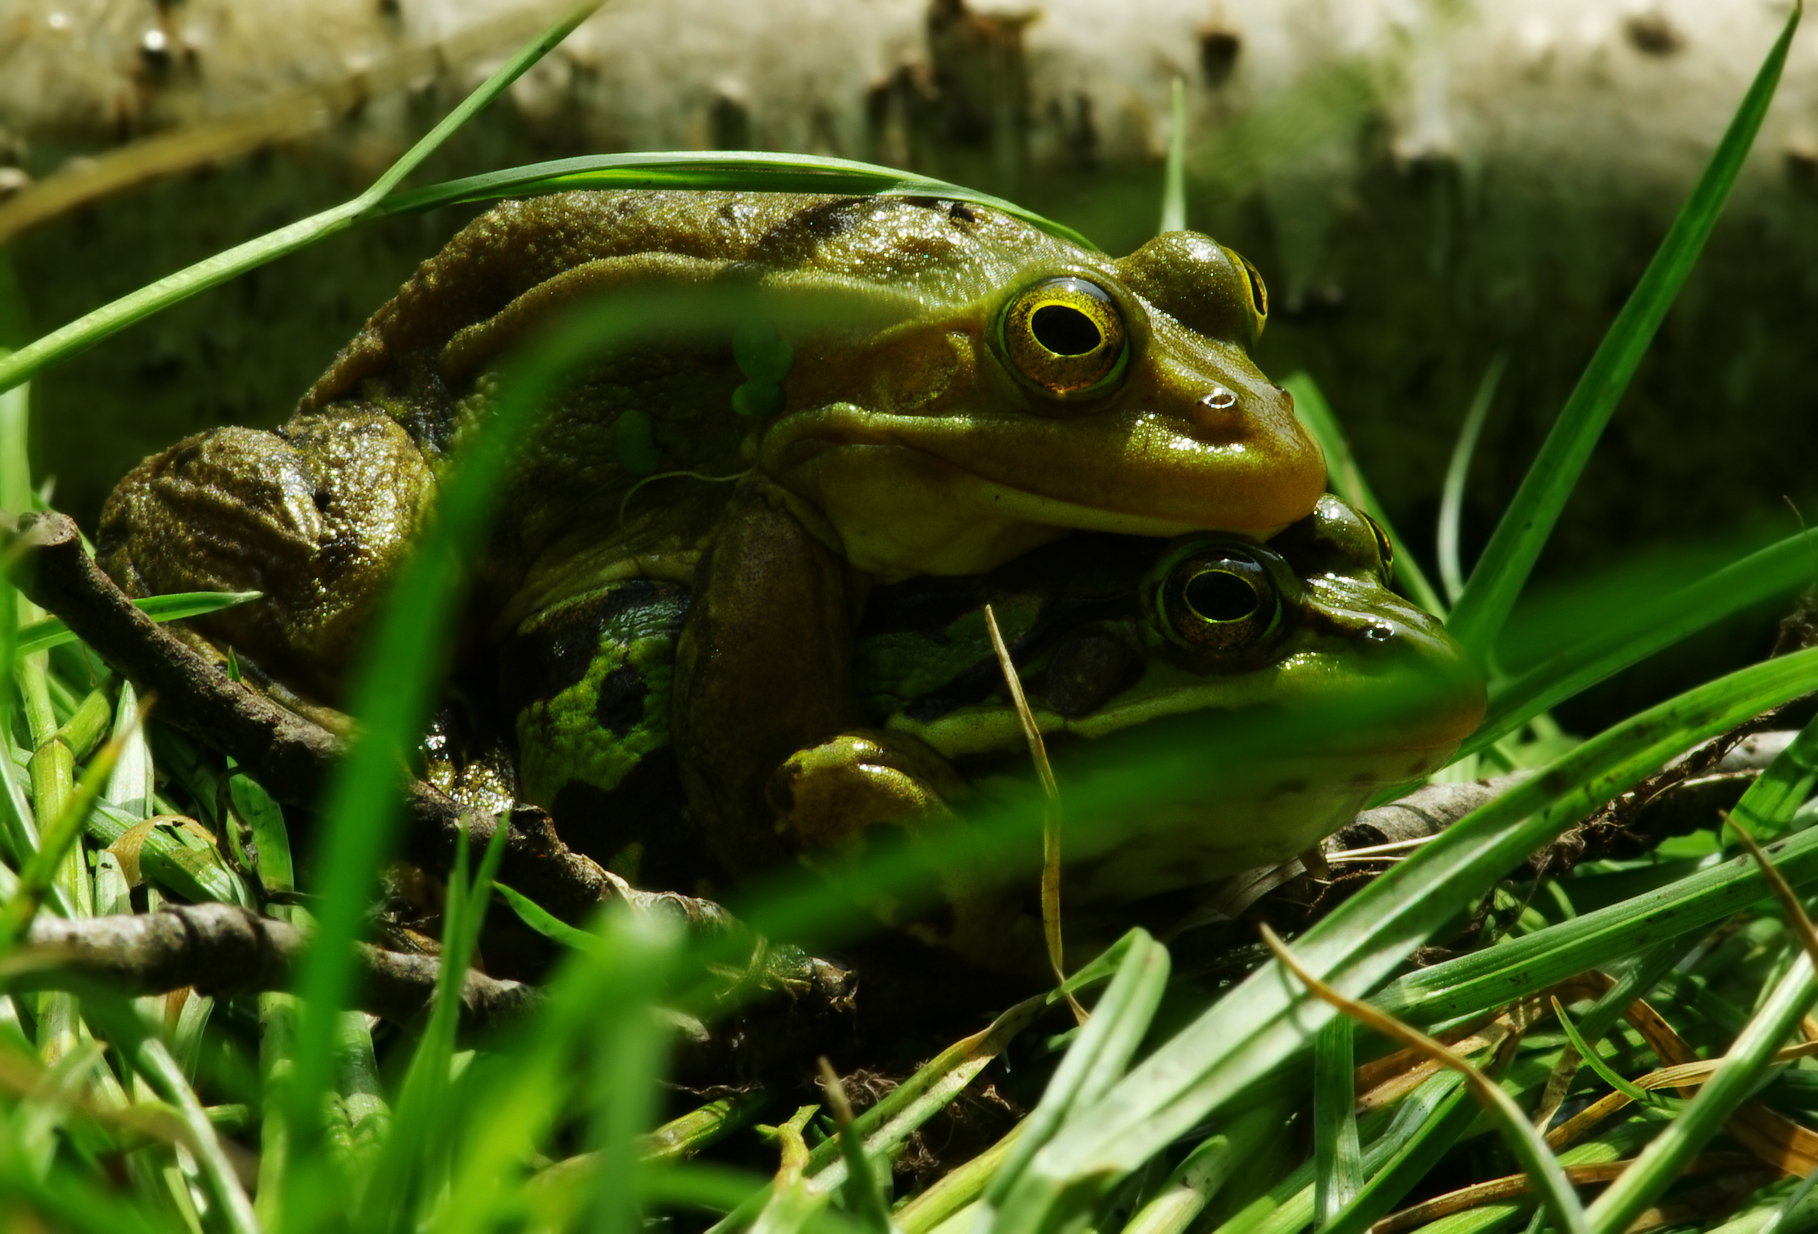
[[836, 800], [764, 668]]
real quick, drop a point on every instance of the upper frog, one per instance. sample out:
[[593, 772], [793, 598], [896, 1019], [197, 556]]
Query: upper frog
[[996, 386]]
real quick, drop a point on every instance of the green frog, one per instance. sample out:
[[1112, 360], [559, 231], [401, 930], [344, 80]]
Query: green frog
[[1122, 643], [992, 389]]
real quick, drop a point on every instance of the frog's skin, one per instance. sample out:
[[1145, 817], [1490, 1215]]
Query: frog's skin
[[999, 388], [1110, 651]]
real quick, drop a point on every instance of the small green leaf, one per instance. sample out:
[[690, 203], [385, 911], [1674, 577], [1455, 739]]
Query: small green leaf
[[544, 922], [40, 635], [1595, 1062]]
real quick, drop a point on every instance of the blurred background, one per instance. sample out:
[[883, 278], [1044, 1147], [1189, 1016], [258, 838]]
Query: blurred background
[[1425, 184]]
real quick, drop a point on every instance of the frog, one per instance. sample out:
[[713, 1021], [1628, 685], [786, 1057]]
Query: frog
[[992, 388], [1121, 643]]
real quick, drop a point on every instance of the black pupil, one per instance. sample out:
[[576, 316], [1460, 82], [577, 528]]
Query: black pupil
[[1219, 595], [1064, 331]]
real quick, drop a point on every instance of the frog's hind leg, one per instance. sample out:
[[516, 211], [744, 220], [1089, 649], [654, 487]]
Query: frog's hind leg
[[317, 516]]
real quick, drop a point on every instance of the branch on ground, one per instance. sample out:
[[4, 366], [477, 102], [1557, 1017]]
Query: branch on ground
[[221, 949]]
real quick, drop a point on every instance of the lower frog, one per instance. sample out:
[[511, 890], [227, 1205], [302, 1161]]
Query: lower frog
[[1212, 643]]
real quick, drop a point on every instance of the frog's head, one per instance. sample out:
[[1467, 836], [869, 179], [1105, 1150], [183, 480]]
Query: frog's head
[[1300, 638], [1041, 387]]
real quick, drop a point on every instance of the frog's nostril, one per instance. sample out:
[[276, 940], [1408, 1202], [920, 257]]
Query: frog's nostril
[[1220, 399], [1378, 634]]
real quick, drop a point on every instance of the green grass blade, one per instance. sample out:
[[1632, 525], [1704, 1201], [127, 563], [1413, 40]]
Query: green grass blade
[[741, 170], [1594, 1060], [1639, 630], [133, 785], [1517, 967], [1180, 1200], [1451, 499], [51, 632], [1102, 1049], [1661, 1161], [592, 992], [1174, 176], [1514, 547], [1782, 787], [1337, 1156], [155, 297], [1424, 1145], [420, 1123], [1344, 478], [119, 1024], [178, 861]]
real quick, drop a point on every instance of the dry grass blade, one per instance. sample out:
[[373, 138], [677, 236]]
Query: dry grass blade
[[1512, 1186], [1539, 1164], [1051, 811]]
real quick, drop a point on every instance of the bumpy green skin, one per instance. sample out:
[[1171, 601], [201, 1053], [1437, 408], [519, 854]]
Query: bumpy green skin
[[1089, 629]]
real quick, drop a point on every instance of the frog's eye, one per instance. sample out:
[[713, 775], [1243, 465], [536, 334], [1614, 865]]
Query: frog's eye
[[1222, 601], [1066, 337], [1384, 549], [1257, 293]]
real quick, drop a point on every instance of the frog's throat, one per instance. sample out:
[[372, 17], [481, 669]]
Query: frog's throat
[[902, 503]]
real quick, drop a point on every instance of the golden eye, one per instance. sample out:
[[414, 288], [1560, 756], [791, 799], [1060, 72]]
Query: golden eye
[[1066, 336], [1222, 601], [1258, 294], [1384, 550]]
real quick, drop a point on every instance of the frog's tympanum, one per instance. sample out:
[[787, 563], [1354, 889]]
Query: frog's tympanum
[[1125, 646]]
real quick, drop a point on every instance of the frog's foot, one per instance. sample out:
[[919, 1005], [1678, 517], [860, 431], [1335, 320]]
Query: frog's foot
[[833, 801]]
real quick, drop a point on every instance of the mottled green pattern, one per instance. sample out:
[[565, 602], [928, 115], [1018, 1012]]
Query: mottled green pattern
[[560, 739]]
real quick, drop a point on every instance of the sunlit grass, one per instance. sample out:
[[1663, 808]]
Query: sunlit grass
[[1166, 1109]]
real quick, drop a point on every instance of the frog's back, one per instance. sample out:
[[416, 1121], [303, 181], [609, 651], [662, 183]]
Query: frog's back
[[932, 247]]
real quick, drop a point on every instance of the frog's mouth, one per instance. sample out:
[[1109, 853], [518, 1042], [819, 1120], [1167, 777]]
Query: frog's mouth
[[961, 494]]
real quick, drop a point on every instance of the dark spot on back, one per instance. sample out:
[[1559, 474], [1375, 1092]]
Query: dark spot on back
[[620, 705], [541, 664]]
